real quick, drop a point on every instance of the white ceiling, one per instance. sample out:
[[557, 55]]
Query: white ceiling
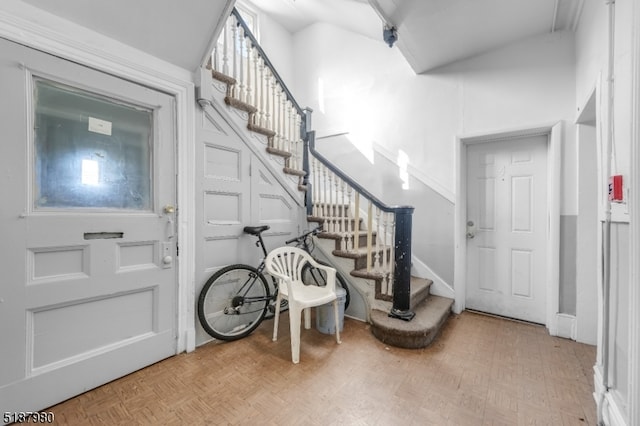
[[296, 15], [433, 33], [178, 32]]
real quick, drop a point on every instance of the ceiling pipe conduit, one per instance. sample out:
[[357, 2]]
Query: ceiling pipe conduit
[[606, 225]]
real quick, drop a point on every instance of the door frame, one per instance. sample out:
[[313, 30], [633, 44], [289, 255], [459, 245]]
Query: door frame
[[554, 133], [34, 28]]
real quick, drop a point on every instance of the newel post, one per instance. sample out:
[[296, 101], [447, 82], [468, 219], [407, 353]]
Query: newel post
[[402, 271]]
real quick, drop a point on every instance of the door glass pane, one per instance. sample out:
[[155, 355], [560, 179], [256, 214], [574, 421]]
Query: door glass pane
[[90, 151]]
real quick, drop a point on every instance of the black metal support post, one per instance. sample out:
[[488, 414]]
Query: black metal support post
[[402, 272]]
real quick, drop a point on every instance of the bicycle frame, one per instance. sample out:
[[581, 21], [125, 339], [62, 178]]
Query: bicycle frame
[[303, 242], [245, 297], [242, 297]]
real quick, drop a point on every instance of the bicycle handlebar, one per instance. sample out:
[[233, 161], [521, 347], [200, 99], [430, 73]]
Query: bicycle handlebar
[[302, 237]]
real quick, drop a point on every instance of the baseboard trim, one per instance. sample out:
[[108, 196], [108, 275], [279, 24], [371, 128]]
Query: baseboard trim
[[439, 286], [611, 412], [566, 326]]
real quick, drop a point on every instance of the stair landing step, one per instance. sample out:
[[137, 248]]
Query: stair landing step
[[431, 315]]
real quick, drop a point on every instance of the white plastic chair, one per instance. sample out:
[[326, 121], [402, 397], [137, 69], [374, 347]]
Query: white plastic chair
[[286, 265]]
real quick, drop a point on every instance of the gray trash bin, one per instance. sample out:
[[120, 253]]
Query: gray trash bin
[[325, 322]]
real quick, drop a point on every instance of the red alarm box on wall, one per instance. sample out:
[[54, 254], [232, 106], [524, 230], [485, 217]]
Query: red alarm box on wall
[[615, 188]]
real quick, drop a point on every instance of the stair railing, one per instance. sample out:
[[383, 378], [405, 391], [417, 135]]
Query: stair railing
[[384, 242], [254, 86], [382, 235]]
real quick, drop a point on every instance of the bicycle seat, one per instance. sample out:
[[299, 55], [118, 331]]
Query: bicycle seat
[[255, 230]]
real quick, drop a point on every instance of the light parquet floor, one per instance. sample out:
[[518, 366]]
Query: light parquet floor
[[480, 371]]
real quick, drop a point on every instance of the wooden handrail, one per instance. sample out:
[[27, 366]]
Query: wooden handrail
[[396, 257], [351, 181], [401, 238]]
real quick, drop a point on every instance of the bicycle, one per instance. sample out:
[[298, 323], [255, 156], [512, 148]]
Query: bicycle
[[235, 299]]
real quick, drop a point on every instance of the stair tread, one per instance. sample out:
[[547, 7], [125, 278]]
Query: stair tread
[[238, 104], [419, 290], [361, 251], [417, 333], [295, 172], [332, 218], [339, 235], [223, 77]]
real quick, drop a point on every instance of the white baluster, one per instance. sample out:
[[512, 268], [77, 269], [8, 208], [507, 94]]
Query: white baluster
[[315, 185], [296, 151], [369, 235], [356, 223], [290, 122], [385, 258], [332, 201], [296, 134], [277, 118], [285, 130], [385, 245], [249, 66], [378, 257], [261, 100], [268, 100], [324, 198], [350, 235], [282, 114], [215, 58], [392, 254], [242, 86], [225, 48], [343, 218], [234, 32]]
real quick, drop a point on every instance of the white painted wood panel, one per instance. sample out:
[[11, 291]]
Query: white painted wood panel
[[89, 292], [236, 190], [506, 211]]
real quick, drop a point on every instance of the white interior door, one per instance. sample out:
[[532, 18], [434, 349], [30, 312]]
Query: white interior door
[[506, 228], [89, 283]]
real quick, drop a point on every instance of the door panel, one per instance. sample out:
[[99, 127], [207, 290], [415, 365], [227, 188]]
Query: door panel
[[89, 287], [506, 210], [236, 190]]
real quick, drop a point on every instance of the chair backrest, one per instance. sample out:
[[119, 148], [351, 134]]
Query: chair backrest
[[286, 263]]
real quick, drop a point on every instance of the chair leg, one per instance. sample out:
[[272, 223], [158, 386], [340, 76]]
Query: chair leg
[[336, 315], [276, 318], [295, 316]]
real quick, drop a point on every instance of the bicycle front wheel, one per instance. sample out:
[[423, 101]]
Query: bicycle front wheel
[[233, 302]]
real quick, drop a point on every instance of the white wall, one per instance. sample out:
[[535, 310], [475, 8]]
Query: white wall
[[371, 92], [275, 40], [358, 85], [278, 45]]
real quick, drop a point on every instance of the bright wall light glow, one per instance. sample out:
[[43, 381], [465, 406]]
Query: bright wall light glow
[[90, 172], [321, 94], [403, 165]]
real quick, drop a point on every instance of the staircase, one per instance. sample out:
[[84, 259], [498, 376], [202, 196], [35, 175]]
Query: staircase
[[369, 238], [431, 312]]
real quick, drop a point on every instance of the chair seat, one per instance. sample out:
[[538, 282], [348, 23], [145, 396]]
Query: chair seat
[[308, 295]]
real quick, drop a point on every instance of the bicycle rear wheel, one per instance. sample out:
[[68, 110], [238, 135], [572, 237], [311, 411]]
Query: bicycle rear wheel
[[233, 302], [315, 276]]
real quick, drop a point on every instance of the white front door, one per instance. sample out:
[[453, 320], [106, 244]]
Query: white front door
[[88, 291], [506, 228]]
